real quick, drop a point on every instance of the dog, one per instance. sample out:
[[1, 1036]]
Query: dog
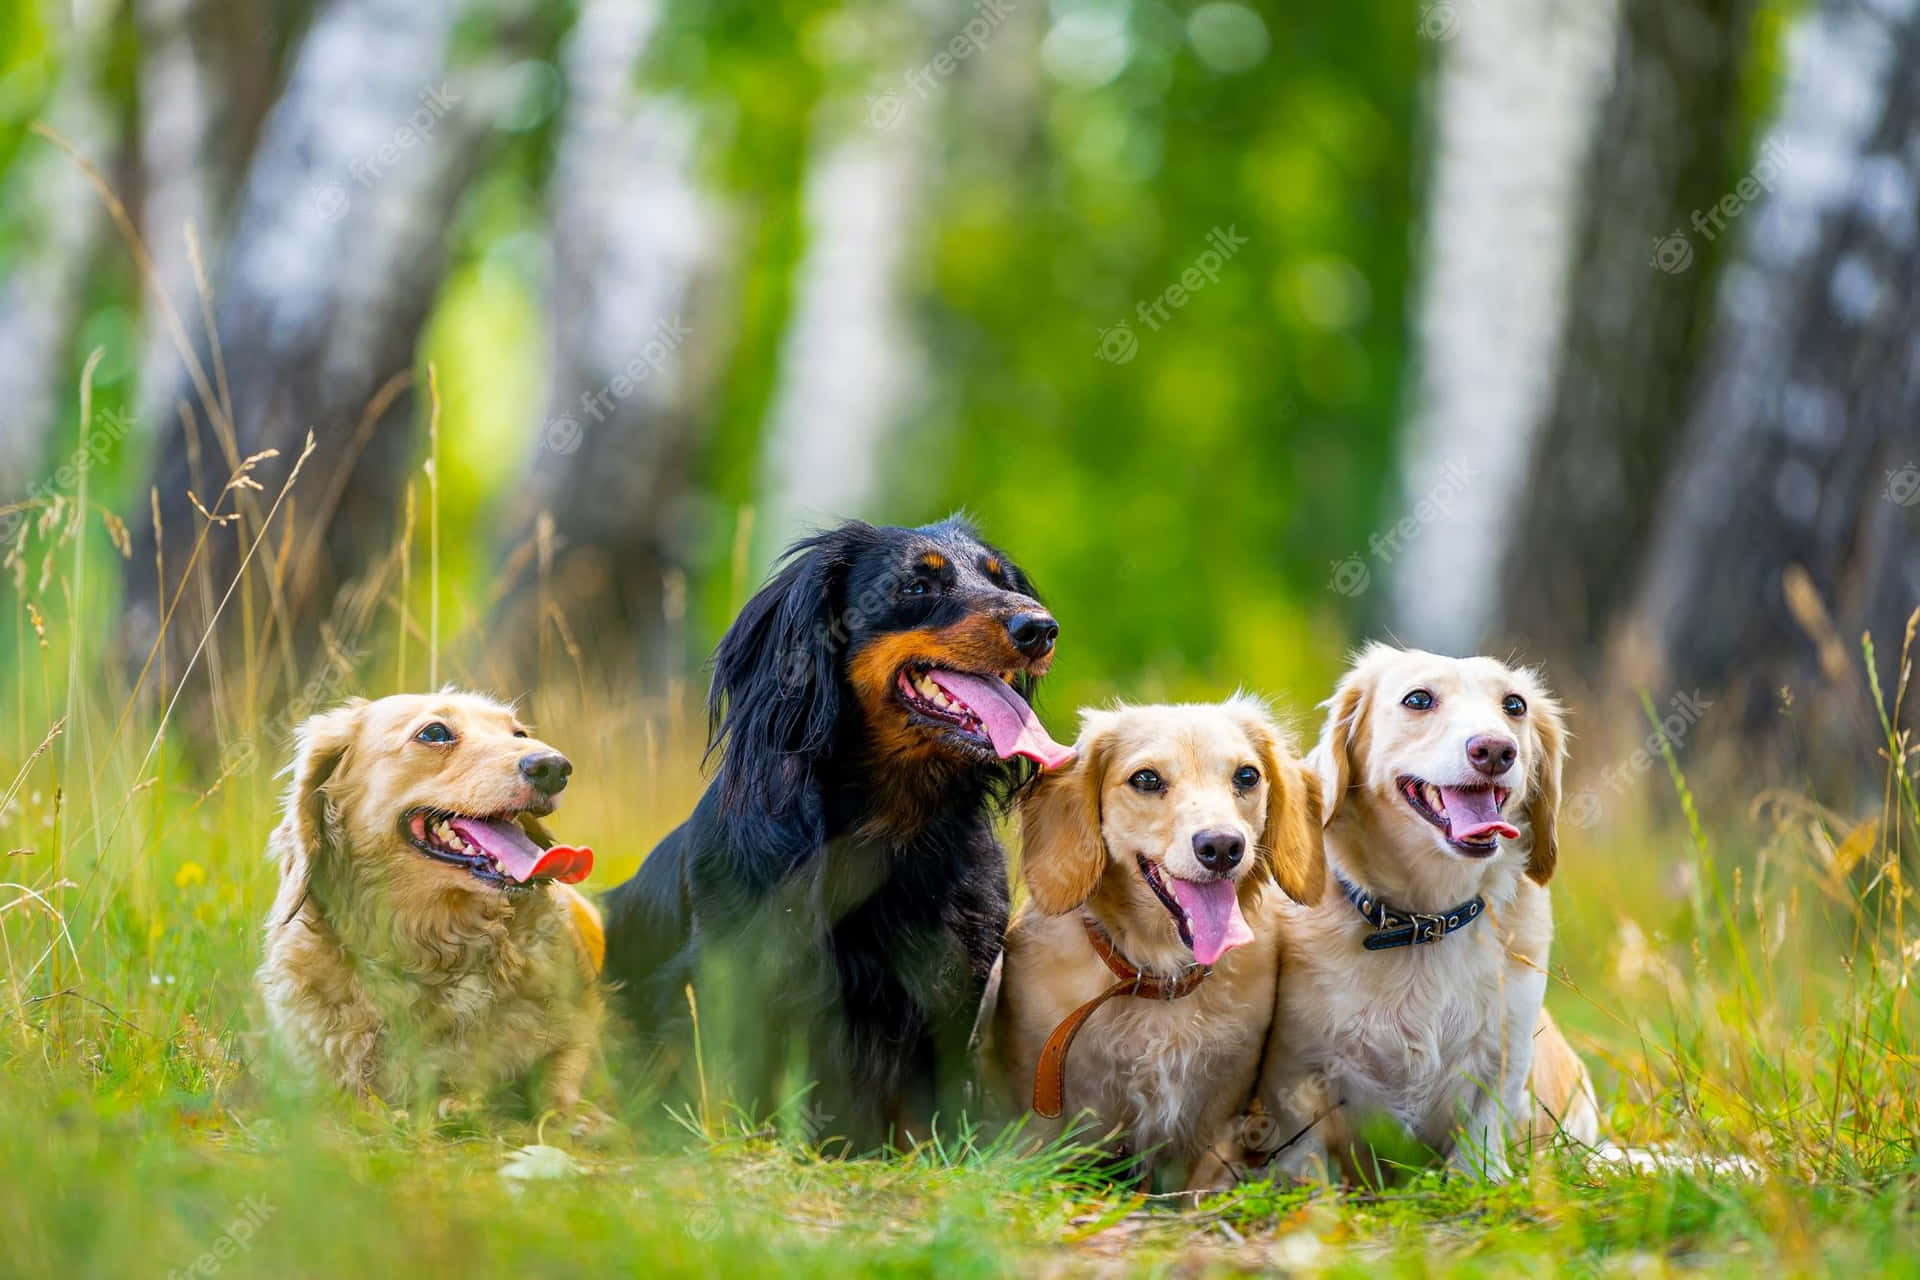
[[826, 920], [1148, 947], [1413, 987], [425, 943]]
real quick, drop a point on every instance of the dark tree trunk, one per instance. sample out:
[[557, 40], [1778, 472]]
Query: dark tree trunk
[[637, 345], [1639, 292], [1789, 524], [336, 254]]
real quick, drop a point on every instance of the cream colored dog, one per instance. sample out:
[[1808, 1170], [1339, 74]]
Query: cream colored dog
[[1412, 987], [1149, 863], [423, 943]]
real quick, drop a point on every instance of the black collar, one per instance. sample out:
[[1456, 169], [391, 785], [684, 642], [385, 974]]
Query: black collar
[[1408, 928]]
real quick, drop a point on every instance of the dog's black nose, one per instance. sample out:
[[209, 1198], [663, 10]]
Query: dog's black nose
[[1033, 633], [548, 771], [1491, 753], [1218, 851]]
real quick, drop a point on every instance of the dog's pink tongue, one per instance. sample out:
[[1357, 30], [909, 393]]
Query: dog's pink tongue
[[1472, 814], [1009, 721], [520, 857], [1213, 917]]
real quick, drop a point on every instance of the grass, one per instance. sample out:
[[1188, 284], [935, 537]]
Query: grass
[[1740, 983]]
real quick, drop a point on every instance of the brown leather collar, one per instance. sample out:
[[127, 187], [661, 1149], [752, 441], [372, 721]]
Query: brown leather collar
[[1050, 1076]]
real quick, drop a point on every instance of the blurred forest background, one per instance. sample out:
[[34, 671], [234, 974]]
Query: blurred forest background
[[1584, 331]]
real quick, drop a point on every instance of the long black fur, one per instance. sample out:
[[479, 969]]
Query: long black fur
[[833, 945]]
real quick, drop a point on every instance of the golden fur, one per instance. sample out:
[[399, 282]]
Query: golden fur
[[398, 976], [1160, 1077], [1440, 1037]]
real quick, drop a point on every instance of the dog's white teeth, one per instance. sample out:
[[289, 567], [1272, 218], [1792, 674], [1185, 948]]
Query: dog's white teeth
[[1435, 800]]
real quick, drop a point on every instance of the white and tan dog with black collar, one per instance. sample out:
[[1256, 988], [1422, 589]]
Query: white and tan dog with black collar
[[1413, 987]]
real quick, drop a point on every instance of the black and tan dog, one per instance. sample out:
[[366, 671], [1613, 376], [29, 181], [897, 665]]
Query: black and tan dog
[[839, 897]]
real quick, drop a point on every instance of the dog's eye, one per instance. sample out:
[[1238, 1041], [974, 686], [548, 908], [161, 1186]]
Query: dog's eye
[[435, 733], [1246, 776], [1418, 700], [519, 733], [918, 587], [1514, 705], [1147, 780]]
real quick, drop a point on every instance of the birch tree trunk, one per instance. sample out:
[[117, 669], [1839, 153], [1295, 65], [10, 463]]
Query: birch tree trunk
[[1515, 105], [336, 254], [1789, 524], [638, 342], [851, 366], [206, 81]]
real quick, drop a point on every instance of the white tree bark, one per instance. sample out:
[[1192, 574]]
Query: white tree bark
[[851, 366], [1514, 105]]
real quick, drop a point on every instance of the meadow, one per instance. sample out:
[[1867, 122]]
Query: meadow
[[1735, 967]]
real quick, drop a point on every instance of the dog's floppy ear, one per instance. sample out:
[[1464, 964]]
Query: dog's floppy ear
[[1543, 794], [320, 744], [776, 681], [1292, 837], [1342, 740], [1061, 852]]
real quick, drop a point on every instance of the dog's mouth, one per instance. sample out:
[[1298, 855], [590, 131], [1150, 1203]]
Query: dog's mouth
[[495, 849], [1469, 817], [1206, 912], [983, 712]]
